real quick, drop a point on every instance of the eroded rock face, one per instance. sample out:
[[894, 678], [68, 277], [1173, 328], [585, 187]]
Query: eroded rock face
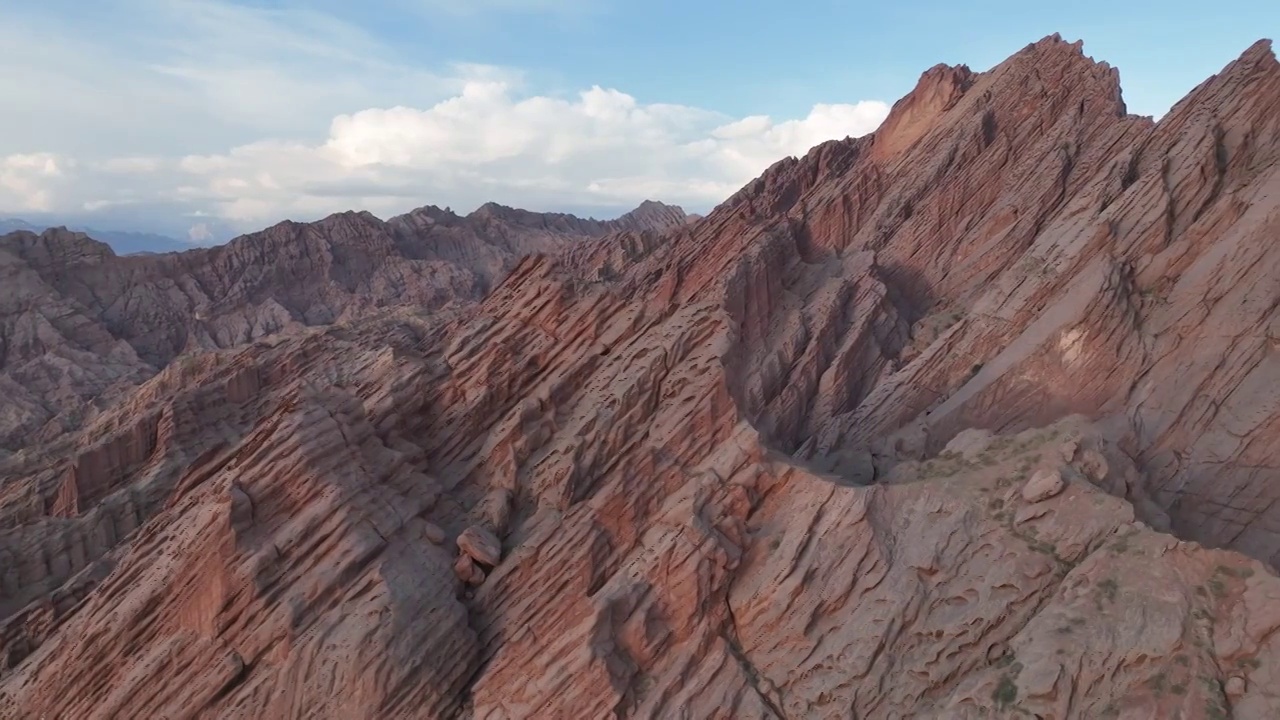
[[79, 326], [768, 464]]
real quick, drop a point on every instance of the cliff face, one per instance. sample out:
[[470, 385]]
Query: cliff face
[[901, 430]]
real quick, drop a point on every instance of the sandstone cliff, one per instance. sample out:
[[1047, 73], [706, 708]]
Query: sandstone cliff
[[932, 423]]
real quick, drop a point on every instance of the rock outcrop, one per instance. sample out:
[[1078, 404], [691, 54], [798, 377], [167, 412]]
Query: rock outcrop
[[971, 417]]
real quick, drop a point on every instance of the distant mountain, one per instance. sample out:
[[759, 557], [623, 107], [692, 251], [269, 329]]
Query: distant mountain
[[66, 294], [122, 242]]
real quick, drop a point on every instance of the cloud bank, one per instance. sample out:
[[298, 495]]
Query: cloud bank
[[252, 131]]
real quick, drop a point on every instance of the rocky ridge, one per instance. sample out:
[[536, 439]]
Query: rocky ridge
[[79, 326], [900, 430]]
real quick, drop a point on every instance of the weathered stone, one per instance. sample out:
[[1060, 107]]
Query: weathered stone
[[1094, 465], [1235, 686], [467, 571], [435, 533], [1027, 513], [1043, 485], [481, 544]]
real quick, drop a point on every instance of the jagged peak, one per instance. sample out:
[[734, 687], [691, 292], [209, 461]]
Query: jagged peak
[[507, 213], [652, 211], [494, 208], [1262, 49], [1260, 54], [1055, 42], [938, 90], [1257, 62], [58, 241], [656, 204]]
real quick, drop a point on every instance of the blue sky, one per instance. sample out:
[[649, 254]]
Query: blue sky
[[207, 117], [761, 56]]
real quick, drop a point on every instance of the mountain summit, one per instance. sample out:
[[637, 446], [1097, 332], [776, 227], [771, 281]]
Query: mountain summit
[[975, 416]]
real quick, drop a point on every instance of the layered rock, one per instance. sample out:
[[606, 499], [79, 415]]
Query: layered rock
[[900, 430], [78, 325]]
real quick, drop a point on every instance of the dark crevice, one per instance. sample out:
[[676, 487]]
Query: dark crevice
[[1220, 158], [1170, 210], [1068, 164], [988, 128], [232, 683], [752, 673], [1131, 172]]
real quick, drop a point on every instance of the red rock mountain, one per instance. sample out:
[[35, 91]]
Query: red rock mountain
[[79, 325], [976, 416]]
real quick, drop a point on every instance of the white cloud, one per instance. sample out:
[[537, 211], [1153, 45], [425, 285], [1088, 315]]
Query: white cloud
[[242, 116], [131, 165], [28, 182], [165, 77], [602, 148], [200, 233]]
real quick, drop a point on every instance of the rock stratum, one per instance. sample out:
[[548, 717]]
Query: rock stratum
[[975, 416]]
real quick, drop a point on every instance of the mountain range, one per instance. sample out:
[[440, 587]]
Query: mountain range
[[975, 416], [121, 241]]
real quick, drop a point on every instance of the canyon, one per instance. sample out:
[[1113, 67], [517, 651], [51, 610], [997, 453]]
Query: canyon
[[973, 416]]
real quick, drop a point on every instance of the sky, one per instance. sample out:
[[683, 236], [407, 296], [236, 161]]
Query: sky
[[202, 119]]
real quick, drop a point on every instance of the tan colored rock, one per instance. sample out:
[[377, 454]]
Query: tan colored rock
[[1235, 686], [1094, 466], [969, 443], [467, 571], [1043, 485], [481, 544], [1027, 513], [434, 533]]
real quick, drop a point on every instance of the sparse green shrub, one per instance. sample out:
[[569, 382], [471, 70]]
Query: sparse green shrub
[[1006, 692], [1043, 547], [1234, 572], [1217, 587], [1110, 589]]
